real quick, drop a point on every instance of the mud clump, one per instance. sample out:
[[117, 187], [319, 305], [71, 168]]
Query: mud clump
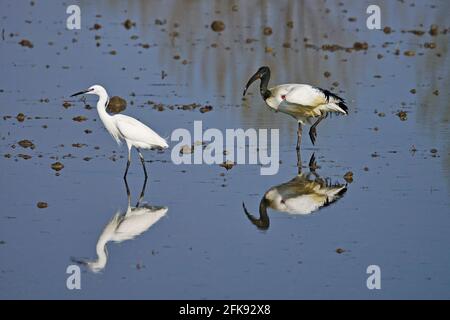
[[410, 53], [79, 118], [205, 109], [267, 31], [116, 104], [26, 144], [227, 165], [128, 24], [57, 166], [387, 30], [218, 26], [402, 115], [357, 46], [42, 205], [20, 117], [348, 177], [24, 156], [67, 104], [340, 250], [26, 43], [96, 27], [434, 30]]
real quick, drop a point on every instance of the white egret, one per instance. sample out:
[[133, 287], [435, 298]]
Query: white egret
[[124, 226], [301, 101], [122, 127], [303, 195]]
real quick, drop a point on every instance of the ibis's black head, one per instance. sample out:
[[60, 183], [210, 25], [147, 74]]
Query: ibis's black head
[[263, 73]]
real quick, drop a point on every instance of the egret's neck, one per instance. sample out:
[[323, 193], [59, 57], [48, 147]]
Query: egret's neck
[[101, 108], [265, 93], [102, 256]]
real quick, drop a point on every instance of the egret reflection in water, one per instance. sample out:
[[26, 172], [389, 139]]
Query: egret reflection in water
[[125, 226], [304, 194]]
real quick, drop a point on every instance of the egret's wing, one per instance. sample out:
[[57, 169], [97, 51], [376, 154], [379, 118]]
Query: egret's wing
[[135, 131]]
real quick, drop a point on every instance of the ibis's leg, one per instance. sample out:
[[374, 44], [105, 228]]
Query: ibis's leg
[[128, 163], [313, 131], [142, 192], [299, 136], [143, 163], [299, 141], [299, 162]]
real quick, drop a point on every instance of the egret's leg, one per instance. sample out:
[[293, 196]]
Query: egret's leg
[[128, 191], [142, 192], [143, 163], [313, 131], [128, 164]]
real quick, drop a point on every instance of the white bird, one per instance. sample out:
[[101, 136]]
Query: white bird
[[303, 195], [122, 127], [301, 101], [122, 227]]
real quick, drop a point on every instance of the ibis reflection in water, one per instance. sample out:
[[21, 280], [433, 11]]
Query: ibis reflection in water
[[125, 226], [304, 194], [301, 101]]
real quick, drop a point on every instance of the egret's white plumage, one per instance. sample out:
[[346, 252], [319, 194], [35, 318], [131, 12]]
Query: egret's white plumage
[[301, 101], [124, 227], [122, 127]]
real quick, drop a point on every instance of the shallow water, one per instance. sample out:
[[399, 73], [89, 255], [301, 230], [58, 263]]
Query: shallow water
[[395, 213]]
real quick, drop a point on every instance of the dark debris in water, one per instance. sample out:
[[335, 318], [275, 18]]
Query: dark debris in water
[[20, 117], [227, 165], [128, 24], [57, 166], [348, 177], [26, 144], [24, 156], [79, 118], [26, 43], [42, 205], [402, 115], [206, 109], [218, 26]]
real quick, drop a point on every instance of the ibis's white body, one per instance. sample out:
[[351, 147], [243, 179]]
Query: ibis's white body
[[302, 196], [134, 222], [303, 102]]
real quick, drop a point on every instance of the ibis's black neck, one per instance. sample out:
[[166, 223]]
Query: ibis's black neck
[[265, 93], [263, 222]]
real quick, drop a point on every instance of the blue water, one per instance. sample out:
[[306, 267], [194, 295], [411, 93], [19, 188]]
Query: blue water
[[395, 213]]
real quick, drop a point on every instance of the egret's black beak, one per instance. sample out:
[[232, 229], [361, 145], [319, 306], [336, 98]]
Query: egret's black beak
[[255, 77], [78, 93]]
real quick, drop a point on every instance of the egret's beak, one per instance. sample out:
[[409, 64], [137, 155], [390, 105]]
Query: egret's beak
[[255, 77], [78, 93]]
